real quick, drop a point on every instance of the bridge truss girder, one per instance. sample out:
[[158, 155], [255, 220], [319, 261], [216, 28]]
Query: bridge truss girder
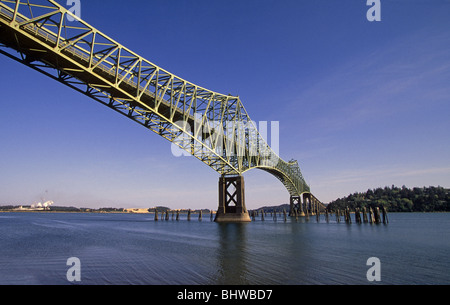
[[37, 34]]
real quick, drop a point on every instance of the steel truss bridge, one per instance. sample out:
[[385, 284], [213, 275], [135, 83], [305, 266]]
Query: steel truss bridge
[[213, 127]]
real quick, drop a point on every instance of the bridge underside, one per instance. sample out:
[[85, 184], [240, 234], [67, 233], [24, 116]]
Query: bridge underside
[[35, 33]]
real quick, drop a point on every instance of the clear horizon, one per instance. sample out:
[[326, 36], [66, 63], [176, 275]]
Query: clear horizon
[[360, 104]]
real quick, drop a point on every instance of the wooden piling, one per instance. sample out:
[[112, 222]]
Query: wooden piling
[[262, 215], [365, 215], [371, 217], [347, 215], [189, 215], [285, 215], [385, 217], [178, 215], [156, 215], [167, 215], [377, 215], [357, 215], [338, 217], [200, 216], [326, 216]]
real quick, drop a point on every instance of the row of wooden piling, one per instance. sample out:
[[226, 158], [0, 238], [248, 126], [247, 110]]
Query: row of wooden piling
[[255, 214], [373, 216], [368, 216], [165, 215], [264, 215]]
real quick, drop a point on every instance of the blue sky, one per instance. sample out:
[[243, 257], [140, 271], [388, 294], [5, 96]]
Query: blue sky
[[360, 104]]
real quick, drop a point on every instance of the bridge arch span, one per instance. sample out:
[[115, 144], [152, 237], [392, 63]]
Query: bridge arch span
[[34, 33]]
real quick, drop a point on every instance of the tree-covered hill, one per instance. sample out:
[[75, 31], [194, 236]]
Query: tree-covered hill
[[417, 199]]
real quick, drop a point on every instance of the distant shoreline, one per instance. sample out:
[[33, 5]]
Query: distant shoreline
[[150, 211], [153, 213], [80, 212]]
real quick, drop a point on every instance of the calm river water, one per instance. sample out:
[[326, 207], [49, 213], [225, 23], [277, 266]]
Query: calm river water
[[414, 248]]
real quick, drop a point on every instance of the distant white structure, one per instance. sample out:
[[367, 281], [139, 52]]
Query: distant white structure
[[47, 205], [37, 207]]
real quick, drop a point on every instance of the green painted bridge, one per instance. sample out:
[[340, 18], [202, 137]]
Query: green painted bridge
[[214, 128]]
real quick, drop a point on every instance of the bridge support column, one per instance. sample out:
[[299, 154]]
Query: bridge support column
[[296, 206], [232, 200], [307, 203]]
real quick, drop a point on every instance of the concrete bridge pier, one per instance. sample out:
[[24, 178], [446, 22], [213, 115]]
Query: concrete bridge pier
[[232, 200], [307, 203], [296, 206], [311, 204]]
